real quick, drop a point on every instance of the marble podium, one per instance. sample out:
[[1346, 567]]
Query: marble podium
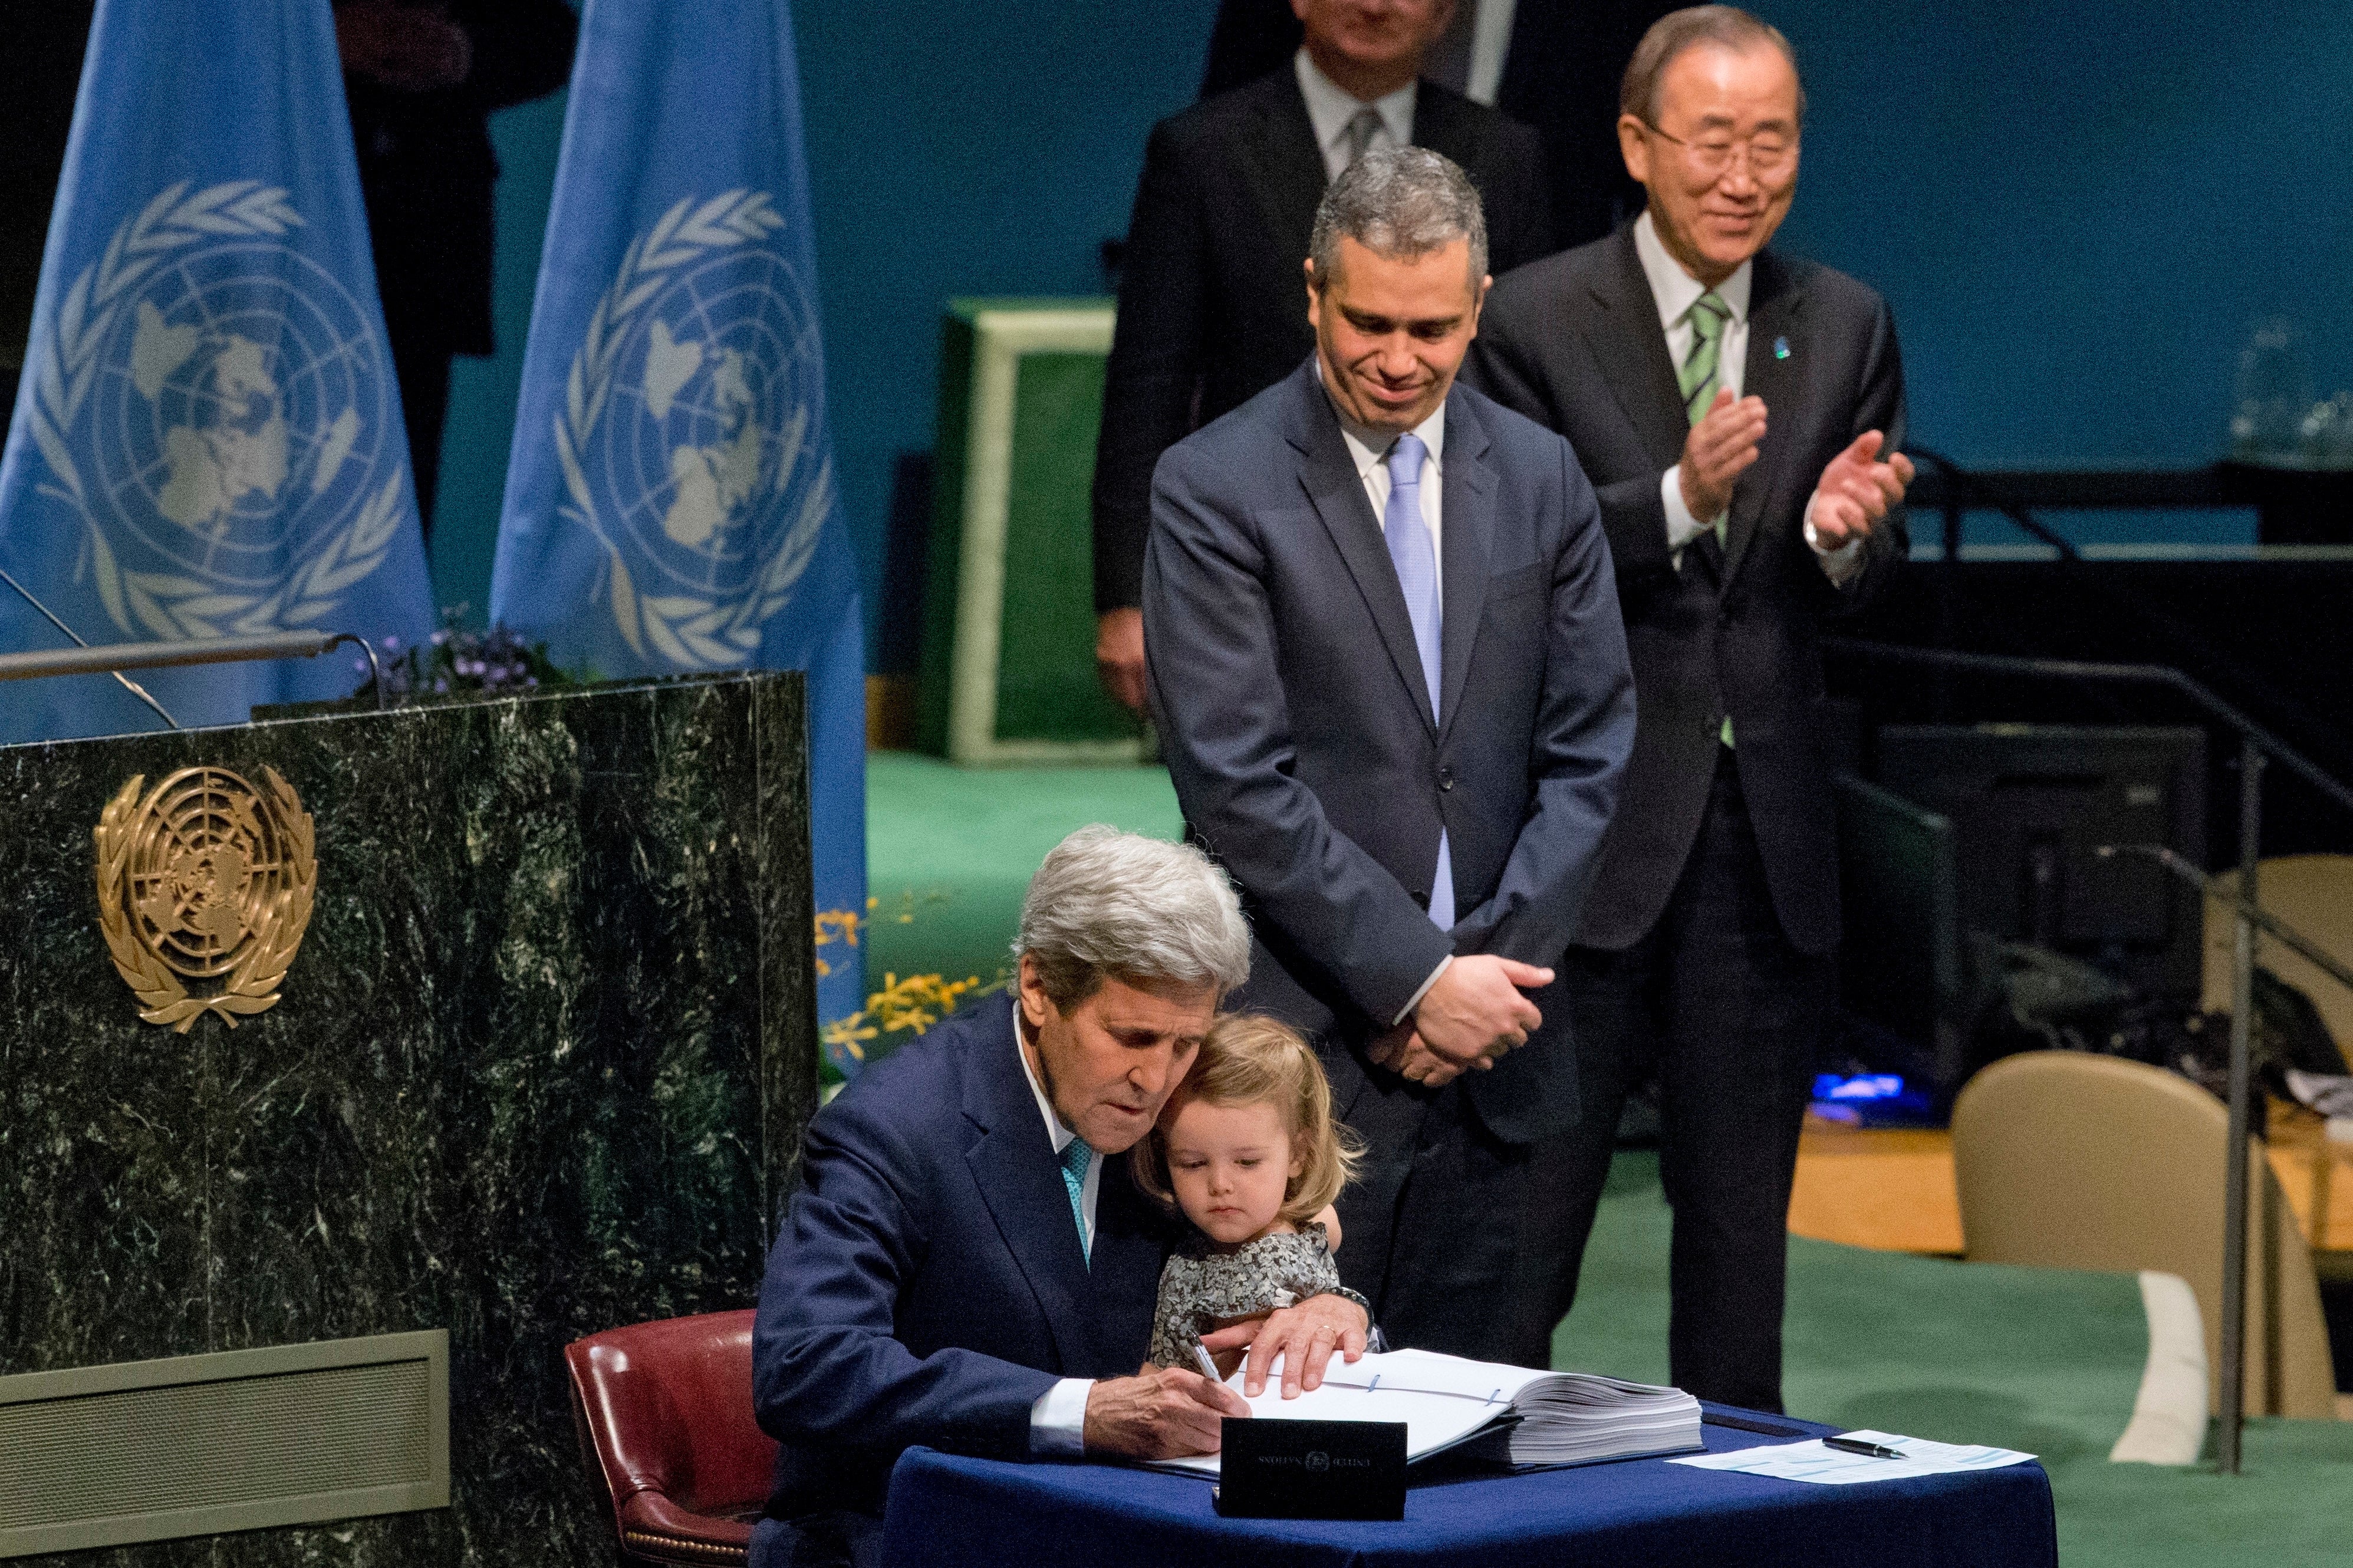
[[540, 1067]]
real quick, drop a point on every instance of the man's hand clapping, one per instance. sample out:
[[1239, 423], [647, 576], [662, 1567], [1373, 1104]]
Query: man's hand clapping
[[1855, 492], [1166, 1412], [1718, 450]]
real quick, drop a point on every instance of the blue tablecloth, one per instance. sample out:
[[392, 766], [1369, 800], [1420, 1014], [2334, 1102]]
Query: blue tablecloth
[[945, 1511]]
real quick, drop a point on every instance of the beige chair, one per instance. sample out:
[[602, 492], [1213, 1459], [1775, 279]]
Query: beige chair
[[2071, 1160], [2312, 893]]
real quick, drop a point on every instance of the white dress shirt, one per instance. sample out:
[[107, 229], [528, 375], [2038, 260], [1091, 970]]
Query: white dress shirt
[[1674, 291], [1058, 1420], [1330, 108], [1369, 450], [1491, 41]]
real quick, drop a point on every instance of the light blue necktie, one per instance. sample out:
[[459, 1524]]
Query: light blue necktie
[[1076, 1157], [1416, 560]]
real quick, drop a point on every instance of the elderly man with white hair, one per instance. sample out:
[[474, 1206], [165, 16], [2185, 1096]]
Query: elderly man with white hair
[[963, 1266]]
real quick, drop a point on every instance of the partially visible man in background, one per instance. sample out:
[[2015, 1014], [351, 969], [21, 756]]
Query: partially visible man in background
[[1550, 64], [1705, 950], [1209, 296], [422, 77]]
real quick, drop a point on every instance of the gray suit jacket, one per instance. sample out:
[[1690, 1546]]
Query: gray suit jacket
[[1574, 341], [1298, 728]]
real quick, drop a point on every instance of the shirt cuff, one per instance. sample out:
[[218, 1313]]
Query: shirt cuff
[[1057, 1422], [1682, 526], [1415, 1000], [1839, 565]]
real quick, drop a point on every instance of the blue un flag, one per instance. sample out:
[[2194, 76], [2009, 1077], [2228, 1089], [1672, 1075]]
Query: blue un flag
[[671, 500], [207, 438]]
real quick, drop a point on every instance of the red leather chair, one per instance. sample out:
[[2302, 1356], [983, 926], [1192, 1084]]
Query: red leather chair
[[665, 1416]]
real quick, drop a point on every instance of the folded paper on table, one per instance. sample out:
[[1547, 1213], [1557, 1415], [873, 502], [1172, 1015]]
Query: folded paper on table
[[1512, 1414], [1815, 1462]]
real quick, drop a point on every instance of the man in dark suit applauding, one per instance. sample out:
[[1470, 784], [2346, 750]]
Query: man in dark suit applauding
[[1661, 353], [1386, 650], [1209, 298], [966, 1265]]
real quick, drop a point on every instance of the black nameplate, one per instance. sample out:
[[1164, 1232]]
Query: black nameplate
[[1310, 1469]]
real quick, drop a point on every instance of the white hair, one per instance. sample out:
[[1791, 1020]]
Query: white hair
[[1108, 903]]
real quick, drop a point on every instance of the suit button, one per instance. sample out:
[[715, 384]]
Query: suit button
[[1446, 778]]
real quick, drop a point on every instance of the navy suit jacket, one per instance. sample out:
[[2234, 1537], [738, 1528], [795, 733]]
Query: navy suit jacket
[[1299, 730], [927, 1285]]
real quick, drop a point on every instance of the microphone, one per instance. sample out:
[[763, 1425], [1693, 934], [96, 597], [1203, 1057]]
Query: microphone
[[127, 684]]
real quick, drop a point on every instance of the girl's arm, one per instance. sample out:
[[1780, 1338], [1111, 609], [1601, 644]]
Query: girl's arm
[[1330, 1220]]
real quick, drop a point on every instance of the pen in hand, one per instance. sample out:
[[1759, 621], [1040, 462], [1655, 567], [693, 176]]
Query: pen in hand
[[1201, 1357], [1857, 1446]]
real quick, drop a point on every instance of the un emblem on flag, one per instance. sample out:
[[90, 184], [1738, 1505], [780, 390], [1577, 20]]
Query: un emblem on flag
[[217, 408], [686, 437]]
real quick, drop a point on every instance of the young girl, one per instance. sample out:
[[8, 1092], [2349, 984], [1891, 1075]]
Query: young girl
[[1247, 1150]]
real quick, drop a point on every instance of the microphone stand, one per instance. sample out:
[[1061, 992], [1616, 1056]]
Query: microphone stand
[[127, 684]]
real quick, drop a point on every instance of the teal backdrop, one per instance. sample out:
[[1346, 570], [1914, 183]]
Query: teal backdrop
[[2077, 210]]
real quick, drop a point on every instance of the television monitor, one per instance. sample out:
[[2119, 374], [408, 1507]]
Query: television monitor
[[2031, 805], [1900, 965]]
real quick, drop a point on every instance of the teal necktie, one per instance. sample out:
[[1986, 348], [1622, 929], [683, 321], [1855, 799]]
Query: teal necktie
[[1076, 1157]]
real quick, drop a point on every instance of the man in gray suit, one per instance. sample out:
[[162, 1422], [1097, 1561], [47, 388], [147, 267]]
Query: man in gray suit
[[1705, 950], [1381, 625]]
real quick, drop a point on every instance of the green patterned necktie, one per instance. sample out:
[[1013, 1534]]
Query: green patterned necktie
[[1698, 377], [1698, 380], [1076, 1157]]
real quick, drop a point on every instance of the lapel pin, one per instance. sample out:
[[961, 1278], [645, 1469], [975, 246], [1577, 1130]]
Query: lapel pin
[[1781, 348]]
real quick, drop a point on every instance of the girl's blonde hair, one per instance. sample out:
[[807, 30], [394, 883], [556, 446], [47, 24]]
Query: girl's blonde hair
[[1248, 1059]]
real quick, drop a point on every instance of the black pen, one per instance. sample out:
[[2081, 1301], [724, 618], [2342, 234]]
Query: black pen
[[1857, 1446]]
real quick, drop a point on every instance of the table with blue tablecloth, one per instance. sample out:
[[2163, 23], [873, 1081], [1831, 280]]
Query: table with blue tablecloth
[[946, 1510]]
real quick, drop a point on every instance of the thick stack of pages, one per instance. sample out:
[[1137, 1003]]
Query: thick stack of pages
[[1509, 1414]]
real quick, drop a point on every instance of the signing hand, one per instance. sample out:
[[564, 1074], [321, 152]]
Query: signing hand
[[1304, 1336], [1166, 1412], [1718, 450], [1856, 491], [1474, 1010], [1119, 656]]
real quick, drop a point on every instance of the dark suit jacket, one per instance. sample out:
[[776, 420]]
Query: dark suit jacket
[[1212, 303], [1561, 73], [1574, 341], [927, 1285], [1298, 730], [428, 176]]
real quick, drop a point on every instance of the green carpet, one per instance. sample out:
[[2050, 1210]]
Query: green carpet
[[2041, 1360], [950, 850]]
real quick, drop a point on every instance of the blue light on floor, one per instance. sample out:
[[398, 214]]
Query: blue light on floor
[[1870, 1098]]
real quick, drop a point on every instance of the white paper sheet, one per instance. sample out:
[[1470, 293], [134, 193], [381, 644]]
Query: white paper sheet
[[1433, 1421], [1814, 1461]]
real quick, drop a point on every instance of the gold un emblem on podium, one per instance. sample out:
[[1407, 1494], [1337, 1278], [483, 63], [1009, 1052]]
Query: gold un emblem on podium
[[204, 891]]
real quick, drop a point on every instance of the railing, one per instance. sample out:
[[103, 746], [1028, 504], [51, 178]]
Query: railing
[[2257, 746]]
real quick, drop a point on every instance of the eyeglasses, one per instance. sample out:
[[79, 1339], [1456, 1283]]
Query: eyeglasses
[[1771, 153]]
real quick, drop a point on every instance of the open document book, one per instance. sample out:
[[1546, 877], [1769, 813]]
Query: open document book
[[1508, 1414]]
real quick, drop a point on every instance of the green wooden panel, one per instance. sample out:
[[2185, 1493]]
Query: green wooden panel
[[1008, 645], [1046, 685]]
